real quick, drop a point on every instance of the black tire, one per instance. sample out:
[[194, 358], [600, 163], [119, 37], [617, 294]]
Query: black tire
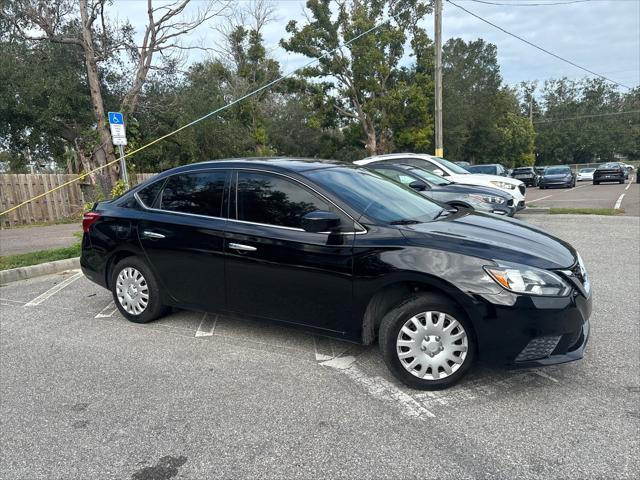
[[596, 183], [154, 307], [395, 319]]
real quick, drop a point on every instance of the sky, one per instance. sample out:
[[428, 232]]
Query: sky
[[600, 35]]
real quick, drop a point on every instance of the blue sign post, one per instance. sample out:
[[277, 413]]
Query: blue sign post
[[119, 138]]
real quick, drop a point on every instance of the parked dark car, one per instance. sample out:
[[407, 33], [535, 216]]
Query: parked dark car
[[539, 170], [610, 172], [482, 199], [343, 252], [528, 175], [561, 176], [489, 169]]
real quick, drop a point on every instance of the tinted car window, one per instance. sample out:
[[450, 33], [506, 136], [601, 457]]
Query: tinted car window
[[488, 169], [274, 200], [149, 193], [196, 193], [429, 177], [376, 196], [396, 175]]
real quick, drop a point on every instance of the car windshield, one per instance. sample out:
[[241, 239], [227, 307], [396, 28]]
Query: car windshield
[[429, 177], [587, 170], [609, 165], [490, 169], [375, 195], [450, 165], [523, 170], [556, 171]]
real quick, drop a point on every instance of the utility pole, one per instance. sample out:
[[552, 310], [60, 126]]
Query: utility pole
[[438, 76]]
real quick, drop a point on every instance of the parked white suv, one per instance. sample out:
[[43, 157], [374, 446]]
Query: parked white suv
[[453, 172]]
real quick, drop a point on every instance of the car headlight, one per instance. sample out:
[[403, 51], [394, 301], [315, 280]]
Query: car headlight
[[505, 185], [528, 280], [488, 199]]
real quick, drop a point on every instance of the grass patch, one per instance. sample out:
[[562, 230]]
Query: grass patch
[[587, 211], [34, 258]]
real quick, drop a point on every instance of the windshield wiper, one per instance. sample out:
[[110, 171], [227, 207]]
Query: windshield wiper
[[405, 221]]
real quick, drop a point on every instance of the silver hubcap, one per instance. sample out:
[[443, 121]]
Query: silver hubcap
[[432, 345], [132, 291]]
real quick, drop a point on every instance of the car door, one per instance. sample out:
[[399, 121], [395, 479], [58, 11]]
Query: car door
[[275, 269], [182, 235]]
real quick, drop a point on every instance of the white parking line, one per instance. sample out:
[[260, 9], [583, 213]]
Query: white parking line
[[619, 202], [209, 331], [108, 311], [52, 291], [564, 191], [627, 187]]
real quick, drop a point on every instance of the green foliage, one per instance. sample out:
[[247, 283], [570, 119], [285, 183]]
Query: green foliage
[[567, 131], [362, 78], [41, 256], [118, 189]]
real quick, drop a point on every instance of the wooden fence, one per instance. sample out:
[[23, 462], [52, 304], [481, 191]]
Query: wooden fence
[[67, 202]]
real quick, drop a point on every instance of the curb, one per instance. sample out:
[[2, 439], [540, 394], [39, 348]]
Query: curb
[[22, 273], [535, 211]]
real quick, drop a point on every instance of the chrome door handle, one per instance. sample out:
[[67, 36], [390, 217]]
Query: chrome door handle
[[242, 248], [149, 234]]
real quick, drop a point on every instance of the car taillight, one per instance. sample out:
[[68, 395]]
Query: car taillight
[[89, 219]]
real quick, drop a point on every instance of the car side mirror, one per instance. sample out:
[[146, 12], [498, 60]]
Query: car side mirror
[[418, 186], [437, 171], [320, 221]]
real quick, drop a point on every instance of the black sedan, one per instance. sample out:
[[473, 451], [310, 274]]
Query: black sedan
[[561, 176], [483, 199], [610, 172], [343, 252]]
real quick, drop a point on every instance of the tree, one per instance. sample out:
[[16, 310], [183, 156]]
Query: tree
[[86, 27], [360, 74]]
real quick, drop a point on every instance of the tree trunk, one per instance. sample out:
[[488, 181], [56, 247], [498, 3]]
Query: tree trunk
[[104, 154], [372, 145]]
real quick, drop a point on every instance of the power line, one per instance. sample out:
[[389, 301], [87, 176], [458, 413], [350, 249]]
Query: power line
[[538, 47], [552, 120], [529, 4]]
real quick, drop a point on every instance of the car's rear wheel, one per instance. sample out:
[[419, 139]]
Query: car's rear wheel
[[427, 342], [135, 291], [596, 183]]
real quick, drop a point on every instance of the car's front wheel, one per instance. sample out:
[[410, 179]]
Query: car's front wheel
[[136, 292], [427, 342]]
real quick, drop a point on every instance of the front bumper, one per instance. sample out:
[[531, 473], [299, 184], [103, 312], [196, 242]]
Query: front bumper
[[559, 183], [526, 331]]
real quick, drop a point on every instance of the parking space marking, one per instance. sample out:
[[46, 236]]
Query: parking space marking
[[542, 374], [619, 202], [207, 326], [52, 291], [382, 389], [627, 187], [107, 311]]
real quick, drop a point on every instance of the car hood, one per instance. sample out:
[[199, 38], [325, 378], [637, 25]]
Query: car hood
[[493, 238], [462, 189], [486, 178]]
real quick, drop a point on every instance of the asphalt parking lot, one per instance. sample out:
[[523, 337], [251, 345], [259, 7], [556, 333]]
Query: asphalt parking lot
[[86, 394], [587, 195]]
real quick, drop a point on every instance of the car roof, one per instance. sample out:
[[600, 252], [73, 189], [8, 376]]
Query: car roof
[[391, 156], [273, 163], [485, 165]]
